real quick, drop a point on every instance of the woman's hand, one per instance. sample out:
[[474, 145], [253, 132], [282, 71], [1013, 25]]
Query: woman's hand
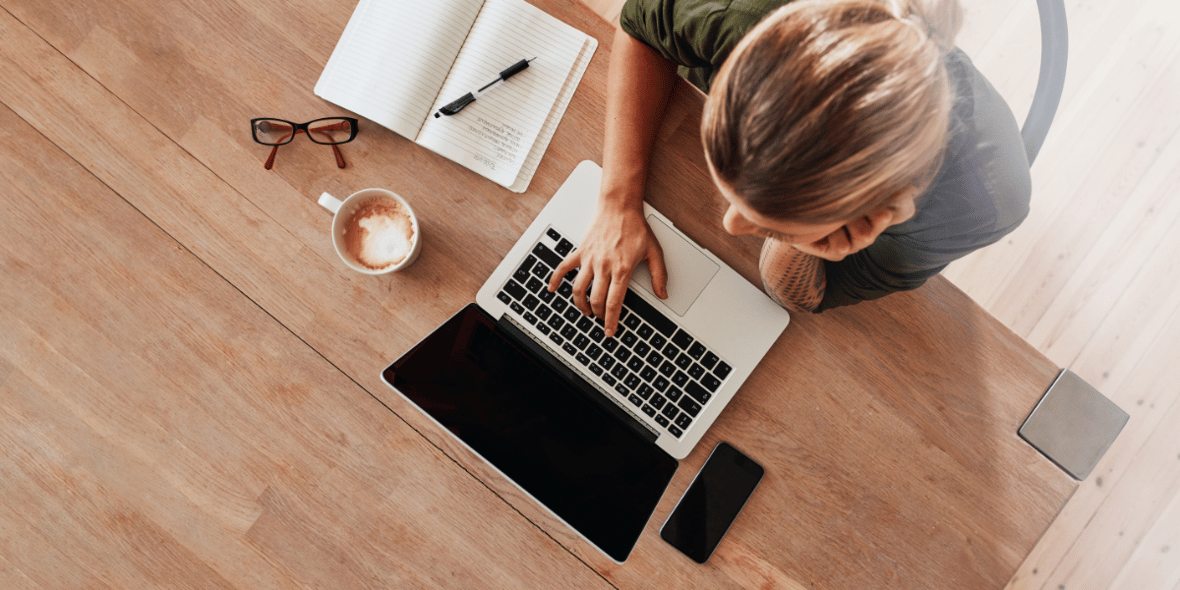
[[850, 238], [617, 240]]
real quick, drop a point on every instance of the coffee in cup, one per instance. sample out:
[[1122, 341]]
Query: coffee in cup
[[374, 231]]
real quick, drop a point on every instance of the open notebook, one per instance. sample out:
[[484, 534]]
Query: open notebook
[[398, 61]]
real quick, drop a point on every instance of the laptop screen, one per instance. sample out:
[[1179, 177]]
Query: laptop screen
[[574, 457]]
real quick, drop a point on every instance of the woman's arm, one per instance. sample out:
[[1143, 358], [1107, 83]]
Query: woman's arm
[[639, 84]]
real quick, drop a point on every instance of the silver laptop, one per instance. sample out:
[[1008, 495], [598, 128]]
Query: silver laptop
[[674, 363], [590, 427]]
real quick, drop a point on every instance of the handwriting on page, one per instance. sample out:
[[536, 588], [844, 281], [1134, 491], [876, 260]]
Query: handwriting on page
[[504, 140]]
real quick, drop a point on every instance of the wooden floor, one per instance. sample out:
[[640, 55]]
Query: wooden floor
[[1092, 278]]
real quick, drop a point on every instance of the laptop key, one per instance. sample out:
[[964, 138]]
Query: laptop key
[[674, 394], [630, 338], [609, 344], [641, 348], [661, 384], [572, 314], [543, 313], [710, 360], [569, 331], [658, 341], [658, 401], [619, 371], [645, 331], [722, 370], [635, 364], [608, 379], [553, 234], [622, 354], [569, 349], [530, 318], [632, 321], [544, 329], [683, 421], [690, 407], [607, 361], [696, 350], [695, 371], [504, 297], [555, 322], [697, 392], [674, 431], [514, 306], [546, 255], [649, 314], [581, 341], [632, 381], [564, 247], [596, 334], [556, 338], [683, 361], [655, 359], [594, 351], [596, 369], [711, 383], [650, 411], [645, 391], [667, 369], [581, 358], [670, 411], [559, 305], [546, 295], [530, 302], [648, 374], [680, 378], [540, 271], [635, 400], [515, 289], [565, 290], [585, 324]]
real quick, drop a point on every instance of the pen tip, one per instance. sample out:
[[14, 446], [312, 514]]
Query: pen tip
[[436, 115]]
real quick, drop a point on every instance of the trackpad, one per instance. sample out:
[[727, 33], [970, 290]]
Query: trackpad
[[689, 269]]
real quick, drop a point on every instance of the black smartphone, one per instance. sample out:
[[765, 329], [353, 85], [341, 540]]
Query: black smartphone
[[712, 502]]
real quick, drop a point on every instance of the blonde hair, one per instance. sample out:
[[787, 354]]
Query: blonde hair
[[830, 109]]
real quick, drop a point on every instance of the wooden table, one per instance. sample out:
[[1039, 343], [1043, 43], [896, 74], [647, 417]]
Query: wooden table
[[189, 376]]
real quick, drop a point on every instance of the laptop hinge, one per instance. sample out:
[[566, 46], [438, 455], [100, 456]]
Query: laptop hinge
[[510, 328]]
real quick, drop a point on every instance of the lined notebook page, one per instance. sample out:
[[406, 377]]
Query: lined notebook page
[[550, 127], [495, 134], [393, 57]]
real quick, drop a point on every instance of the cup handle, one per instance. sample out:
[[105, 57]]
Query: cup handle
[[330, 203]]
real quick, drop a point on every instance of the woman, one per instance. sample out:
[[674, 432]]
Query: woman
[[850, 133]]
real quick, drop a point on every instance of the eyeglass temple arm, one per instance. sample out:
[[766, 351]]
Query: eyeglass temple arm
[[336, 150]]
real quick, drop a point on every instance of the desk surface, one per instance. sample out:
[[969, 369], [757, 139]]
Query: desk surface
[[189, 376]]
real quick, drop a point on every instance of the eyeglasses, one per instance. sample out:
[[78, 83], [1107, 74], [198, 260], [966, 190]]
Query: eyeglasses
[[331, 131]]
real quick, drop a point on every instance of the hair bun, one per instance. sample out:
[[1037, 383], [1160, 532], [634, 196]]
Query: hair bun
[[940, 20]]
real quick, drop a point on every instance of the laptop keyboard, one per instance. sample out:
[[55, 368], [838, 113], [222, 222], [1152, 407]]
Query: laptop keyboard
[[651, 363]]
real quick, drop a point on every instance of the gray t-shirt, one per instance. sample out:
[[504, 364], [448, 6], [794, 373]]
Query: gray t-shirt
[[981, 192]]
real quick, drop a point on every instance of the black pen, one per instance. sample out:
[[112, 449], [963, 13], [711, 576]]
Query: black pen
[[457, 105]]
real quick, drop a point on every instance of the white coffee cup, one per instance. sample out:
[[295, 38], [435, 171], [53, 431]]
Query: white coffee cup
[[379, 243]]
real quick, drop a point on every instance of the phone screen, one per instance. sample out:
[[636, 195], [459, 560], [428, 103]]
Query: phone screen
[[712, 502]]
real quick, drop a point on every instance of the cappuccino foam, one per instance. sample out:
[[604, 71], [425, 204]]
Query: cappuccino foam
[[379, 234]]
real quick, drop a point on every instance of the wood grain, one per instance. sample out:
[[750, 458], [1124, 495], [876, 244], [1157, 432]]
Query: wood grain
[[204, 371], [1103, 301]]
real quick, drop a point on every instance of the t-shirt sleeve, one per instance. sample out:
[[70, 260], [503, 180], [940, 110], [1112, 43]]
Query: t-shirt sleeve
[[693, 33]]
